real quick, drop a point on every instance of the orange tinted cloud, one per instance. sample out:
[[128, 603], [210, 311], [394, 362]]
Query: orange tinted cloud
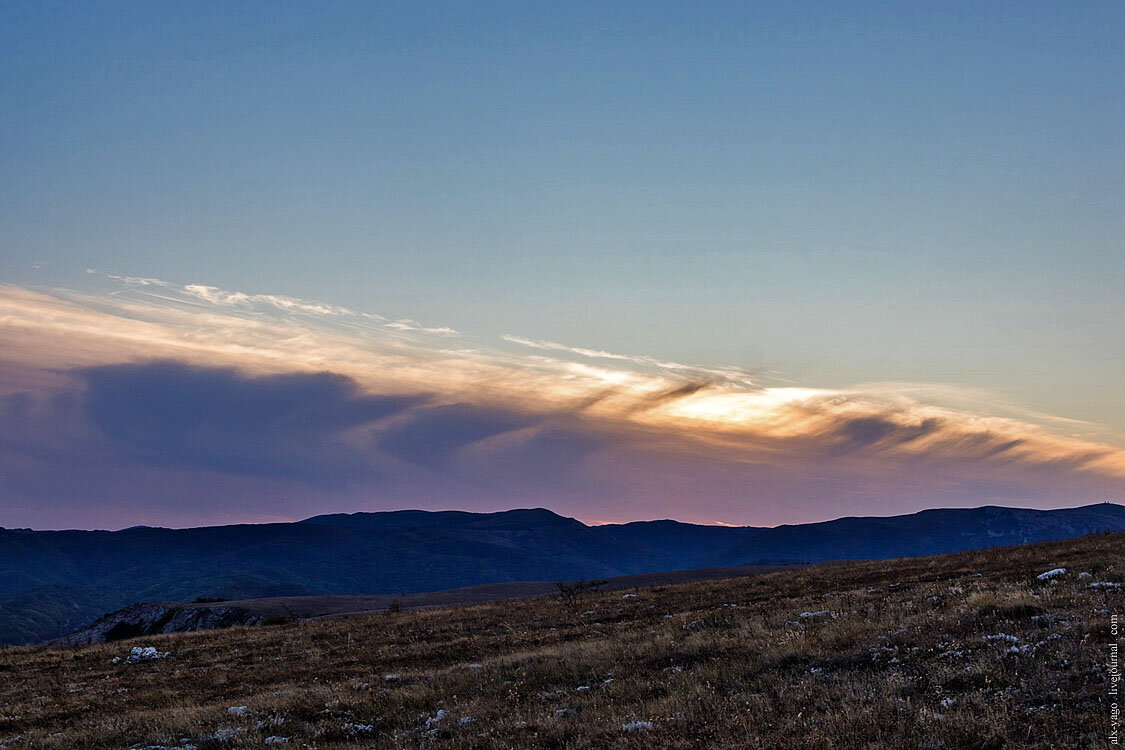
[[641, 430]]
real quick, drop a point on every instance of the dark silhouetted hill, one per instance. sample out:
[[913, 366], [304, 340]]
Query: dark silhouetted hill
[[52, 582]]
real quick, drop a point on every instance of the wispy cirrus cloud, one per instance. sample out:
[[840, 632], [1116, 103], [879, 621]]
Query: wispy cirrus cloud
[[218, 296], [443, 420], [406, 324], [224, 298], [733, 374]]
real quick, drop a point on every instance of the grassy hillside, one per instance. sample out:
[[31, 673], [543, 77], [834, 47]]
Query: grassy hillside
[[157, 618], [961, 651]]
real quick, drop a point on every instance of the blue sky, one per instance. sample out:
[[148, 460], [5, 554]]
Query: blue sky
[[836, 193]]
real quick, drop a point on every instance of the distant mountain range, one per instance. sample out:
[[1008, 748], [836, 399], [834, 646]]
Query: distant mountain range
[[52, 582]]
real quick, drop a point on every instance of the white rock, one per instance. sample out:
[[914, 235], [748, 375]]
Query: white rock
[[1002, 637], [226, 734], [351, 728], [145, 653], [637, 726], [236, 710], [1053, 572]]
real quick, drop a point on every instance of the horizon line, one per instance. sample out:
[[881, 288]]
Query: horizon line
[[588, 524]]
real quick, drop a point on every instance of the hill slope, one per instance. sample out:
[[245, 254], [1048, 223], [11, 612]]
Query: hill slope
[[972, 650], [53, 581], [156, 618]]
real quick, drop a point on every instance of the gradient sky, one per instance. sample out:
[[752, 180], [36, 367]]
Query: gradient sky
[[734, 262]]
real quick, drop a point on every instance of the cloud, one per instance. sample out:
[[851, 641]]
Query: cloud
[[553, 346], [292, 425], [859, 433], [291, 404], [176, 439], [218, 296], [667, 395], [431, 436], [135, 280], [812, 423], [733, 374], [405, 324]]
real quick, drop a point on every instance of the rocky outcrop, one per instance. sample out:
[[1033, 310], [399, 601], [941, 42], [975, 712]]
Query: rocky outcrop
[[153, 618]]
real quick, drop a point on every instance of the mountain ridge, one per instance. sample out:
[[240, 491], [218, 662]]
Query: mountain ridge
[[51, 582]]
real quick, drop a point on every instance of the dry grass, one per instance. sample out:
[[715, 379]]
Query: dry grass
[[909, 653]]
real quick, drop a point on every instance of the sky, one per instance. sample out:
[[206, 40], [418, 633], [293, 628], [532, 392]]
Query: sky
[[727, 263]]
